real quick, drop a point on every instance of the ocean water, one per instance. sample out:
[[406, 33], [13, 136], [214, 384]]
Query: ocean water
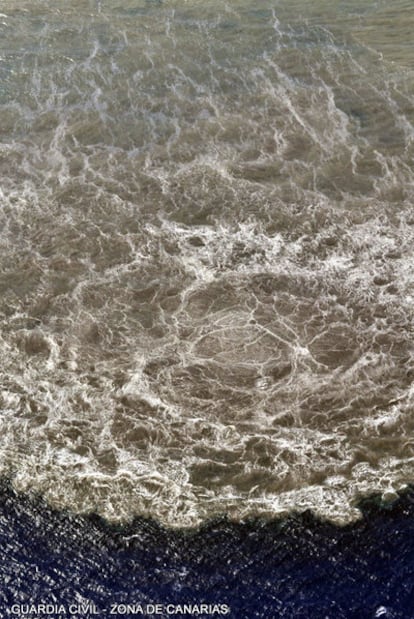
[[296, 569], [206, 256]]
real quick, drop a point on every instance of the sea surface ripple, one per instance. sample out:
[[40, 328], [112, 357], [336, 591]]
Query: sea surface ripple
[[206, 256]]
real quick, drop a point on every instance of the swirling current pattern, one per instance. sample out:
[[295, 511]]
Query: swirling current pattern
[[207, 231]]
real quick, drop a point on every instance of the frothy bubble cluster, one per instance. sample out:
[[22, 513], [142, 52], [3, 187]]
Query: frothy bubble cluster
[[206, 261]]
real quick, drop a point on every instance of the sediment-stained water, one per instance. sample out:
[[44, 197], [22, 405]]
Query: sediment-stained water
[[206, 278]]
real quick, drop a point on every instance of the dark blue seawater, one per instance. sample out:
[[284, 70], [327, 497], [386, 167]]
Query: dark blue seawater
[[296, 568]]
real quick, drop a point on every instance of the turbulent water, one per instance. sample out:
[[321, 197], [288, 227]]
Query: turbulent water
[[207, 254]]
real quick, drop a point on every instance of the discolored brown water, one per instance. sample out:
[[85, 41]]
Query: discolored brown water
[[207, 231]]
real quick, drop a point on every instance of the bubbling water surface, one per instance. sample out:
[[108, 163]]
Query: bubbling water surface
[[207, 231]]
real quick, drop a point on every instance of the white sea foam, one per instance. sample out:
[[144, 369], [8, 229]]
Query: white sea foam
[[206, 274]]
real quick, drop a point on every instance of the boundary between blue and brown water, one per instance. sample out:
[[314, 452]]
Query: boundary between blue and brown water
[[58, 564]]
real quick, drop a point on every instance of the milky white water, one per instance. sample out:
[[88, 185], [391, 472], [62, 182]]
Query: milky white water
[[206, 255]]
